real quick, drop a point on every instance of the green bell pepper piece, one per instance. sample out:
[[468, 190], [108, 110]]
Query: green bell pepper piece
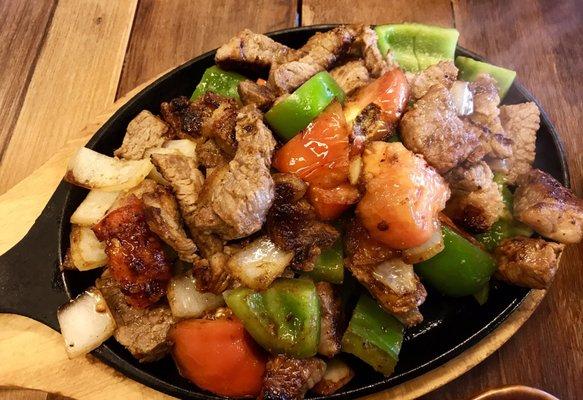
[[329, 266], [285, 318], [470, 69], [374, 336], [417, 46], [460, 269], [296, 111], [220, 82]]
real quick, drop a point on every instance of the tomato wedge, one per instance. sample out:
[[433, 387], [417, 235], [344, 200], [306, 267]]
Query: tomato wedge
[[218, 356]]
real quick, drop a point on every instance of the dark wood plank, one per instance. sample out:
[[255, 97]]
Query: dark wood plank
[[436, 12], [166, 34], [23, 25], [541, 42]]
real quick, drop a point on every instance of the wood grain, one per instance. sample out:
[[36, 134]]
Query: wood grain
[[160, 40], [24, 27], [76, 76]]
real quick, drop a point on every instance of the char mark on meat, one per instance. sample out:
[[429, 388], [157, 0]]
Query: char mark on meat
[[143, 331], [144, 132], [549, 208], [260, 95], [332, 325], [351, 76], [528, 262], [290, 378], [366, 44], [443, 73], [135, 255]]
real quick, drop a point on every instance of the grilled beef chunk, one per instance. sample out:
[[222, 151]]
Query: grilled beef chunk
[[520, 121], [337, 375], [366, 44], [391, 282], [443, 73], [135, 255], [143, 331], [236, 197], [528, 262], [351, 76], [433, 129], [288, 378], [163, 218], [292, 223], [332, 319], [210, 156], [144, 132], [549, 208], [319, 53], [249, 51], [252, 93], [476, 202]]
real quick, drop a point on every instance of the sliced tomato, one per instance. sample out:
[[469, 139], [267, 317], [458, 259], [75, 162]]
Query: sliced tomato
[[318, 154], [218, 356], [331, 203], [390, 92]]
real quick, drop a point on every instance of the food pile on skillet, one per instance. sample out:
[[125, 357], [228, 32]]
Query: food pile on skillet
[[297, 204]]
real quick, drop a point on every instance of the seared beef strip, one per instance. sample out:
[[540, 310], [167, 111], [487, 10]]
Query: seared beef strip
[[135, 255], [528, 262], [143, 331], [252, 93], [433, 129], [144, 132], [292, 223], [367, 44], [361, 249], [319, 54], [249, 51], [444, 73], [210, 156], [521, 121], [163, 218], [288, 378], [351, 76], [549, 208], [236, 197], [476, 201], [331, 328]]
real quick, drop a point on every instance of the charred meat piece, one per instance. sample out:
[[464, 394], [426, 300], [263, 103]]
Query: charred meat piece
[[288, 378], [253, 93], [528, 262], [443, 73], [366, 43], [549, 208], [433, 129], [476, 201], [361, 249], [163, 218], [332, 319], [144, 132], [210, 155], [236, 197], [249, 51], [369, 126], [520, 121], [337, 375], [319, 53], [292, 223], [143, 331], [135, 255], [351, 76]]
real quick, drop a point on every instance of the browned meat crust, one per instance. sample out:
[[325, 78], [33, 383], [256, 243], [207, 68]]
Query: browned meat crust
[[143, 331], [366, 44], [292, 224], [332, 319], [351, 76], [549, 208], [289, 378], [319, 54], [361, 249], [368, 125], [144, 132], [443, 73], [433, 129], [249, 51], [163, 218], [252, 93], [521, 122], [528, 262], [135, 255]]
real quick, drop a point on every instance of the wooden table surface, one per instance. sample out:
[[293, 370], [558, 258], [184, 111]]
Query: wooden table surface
[[62, 62]]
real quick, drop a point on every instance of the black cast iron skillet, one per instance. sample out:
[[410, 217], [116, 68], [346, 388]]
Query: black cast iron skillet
[[32, 284]]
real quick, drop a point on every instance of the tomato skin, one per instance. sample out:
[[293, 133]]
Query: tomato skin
[[329, 204], [318, 154], [218, 356]]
